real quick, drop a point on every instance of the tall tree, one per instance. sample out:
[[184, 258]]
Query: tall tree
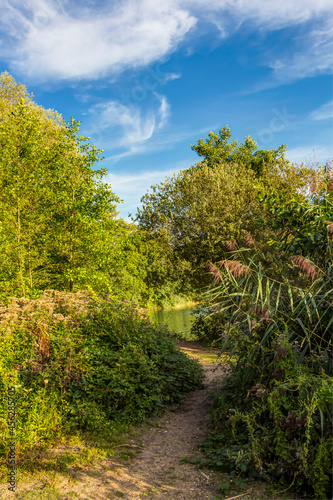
[[217, 147], [53, 203]]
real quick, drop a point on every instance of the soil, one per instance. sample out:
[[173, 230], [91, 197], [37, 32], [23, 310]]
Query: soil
[[159, 470]]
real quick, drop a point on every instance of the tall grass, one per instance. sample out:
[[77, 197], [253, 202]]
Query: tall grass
[[277, 328]]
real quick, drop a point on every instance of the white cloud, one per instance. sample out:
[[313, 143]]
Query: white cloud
[[128, 126], [310, 154], [325, 112], [266, 14], [91, 42], [48, 39], [159, 142], [164, 111], [313, 57]]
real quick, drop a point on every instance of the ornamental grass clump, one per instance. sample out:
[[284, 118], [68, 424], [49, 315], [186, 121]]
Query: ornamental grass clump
[[273, 417], [79, 363]]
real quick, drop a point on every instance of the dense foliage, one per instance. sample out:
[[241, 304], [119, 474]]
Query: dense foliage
[[273, 314], [54, 206], [79, 362], [201, 210]]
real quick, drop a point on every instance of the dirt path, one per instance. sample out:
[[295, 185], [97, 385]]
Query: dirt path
[[159, 468], [157, 472]]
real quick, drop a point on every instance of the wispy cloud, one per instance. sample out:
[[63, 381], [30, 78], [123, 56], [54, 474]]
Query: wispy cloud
[[128, 125], [164, 111], [90, 42], [60, 40], [325, 112], [313, 56], [160, 142], [310, 154], [270, 14], [310, 53], [131, 187]]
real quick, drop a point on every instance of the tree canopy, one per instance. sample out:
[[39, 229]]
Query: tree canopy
[[217, 147], [202, 209]]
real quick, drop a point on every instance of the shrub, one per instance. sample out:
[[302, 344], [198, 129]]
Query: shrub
[[78, 362]]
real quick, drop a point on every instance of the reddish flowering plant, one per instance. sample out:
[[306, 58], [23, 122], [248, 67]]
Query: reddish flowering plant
[[248, 239], [306, 266], [231, 245], [235, 267], [214, 271]]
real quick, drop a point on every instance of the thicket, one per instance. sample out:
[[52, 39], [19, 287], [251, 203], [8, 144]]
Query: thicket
[[82, 363], [272, 313]]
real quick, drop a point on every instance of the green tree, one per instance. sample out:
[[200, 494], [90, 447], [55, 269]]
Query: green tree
[[26, 133], [119, 266], [217, 147], [53, 203], [200, 211], [82, 207], [303, 225]]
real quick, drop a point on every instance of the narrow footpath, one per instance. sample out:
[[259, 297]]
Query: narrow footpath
[[159, 471]]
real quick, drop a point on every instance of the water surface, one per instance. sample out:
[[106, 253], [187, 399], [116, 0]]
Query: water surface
[[177, 320]]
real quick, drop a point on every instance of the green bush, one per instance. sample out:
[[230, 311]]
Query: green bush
[[80, 363]]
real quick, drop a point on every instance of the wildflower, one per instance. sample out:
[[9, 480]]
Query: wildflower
[[260, 393], [280, 338], [305, 265]]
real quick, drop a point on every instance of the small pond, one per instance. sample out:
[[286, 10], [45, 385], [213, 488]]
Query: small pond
[[178, 320]]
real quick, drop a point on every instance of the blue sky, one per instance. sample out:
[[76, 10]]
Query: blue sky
[[148, 78]]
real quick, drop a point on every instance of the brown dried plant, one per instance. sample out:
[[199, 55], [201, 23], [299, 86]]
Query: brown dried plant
[[39, 316], [306, 266], [231, 245]]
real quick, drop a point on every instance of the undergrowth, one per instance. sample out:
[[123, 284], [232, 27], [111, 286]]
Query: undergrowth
[[273, 417], [79, 363]]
